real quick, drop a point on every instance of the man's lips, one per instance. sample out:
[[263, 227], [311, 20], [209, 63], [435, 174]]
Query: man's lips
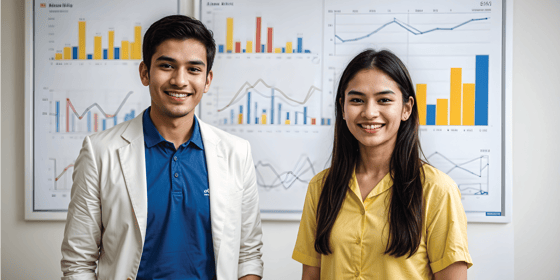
[[178, 94]]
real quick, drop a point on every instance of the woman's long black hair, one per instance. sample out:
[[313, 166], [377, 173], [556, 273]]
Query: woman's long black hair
[[405, 210]]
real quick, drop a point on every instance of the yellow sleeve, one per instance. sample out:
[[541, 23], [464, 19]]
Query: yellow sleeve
[[304, 251], [446, 224]]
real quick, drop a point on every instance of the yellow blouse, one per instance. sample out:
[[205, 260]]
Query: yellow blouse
[[360, 232]]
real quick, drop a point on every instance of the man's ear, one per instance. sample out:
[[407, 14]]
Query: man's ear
[[208, 81], [144, 73]]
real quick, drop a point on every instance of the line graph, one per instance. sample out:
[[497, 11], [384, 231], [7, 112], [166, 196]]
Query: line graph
[[244, 89], [80, 116], [266, 171], [471, 175], [57, 176], [409, 28]]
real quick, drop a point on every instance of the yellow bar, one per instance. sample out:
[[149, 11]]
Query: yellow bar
[[455, 98], [111, 47], [468, 104], [81, 40], [249, 48], [441, 112], [132, 50], [229, 35], [421, 102], [240, 119], [137, 42], [67, 52], [287, 122], [263, 119], [97, 50], [278, 50], [58, 56], [125, 50], [289, 47]]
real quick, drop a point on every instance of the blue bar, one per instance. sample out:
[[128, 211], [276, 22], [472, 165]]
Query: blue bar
[[249, 107], [225, 120], [481, 90], [307, 51], [221, 48], [232, 116], [89, 56], [129, 116], [229, 51], [323, 121], [73, 123], [272, 107], [104, 53], [328, 121], [74, 52], [280, 113], [283, 50], [117, 53], [287, 115], [115, 120], [296, 118], [243, 50], [89, 121], [299, 44], [305, 115], [262, 48], [240, 109], [431, 115], [256, 114], [104, 124], [57, 116]]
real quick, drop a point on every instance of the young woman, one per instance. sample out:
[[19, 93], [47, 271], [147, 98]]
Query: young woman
[[380, 212]]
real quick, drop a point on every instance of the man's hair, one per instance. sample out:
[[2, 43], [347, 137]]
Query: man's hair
[[177, 27]]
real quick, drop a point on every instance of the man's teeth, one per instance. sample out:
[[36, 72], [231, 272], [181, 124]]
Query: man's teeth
[[179, 95], [376, 126]]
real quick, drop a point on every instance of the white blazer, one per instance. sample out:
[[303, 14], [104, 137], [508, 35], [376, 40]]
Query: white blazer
[[107, 215]]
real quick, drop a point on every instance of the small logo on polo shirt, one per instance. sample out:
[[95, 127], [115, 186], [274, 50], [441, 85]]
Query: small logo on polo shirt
[[207, 192]]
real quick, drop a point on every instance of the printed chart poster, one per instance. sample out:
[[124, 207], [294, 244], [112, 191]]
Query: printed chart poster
[[86, 57], [267, 88], [278, 66]]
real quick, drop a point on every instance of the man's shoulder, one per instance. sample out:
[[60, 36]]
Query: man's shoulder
[[212, 133], [112, 137]]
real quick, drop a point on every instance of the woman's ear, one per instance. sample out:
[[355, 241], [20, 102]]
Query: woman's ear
[[407, 109]]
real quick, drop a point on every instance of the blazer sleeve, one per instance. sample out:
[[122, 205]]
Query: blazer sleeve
[[82, 234], [251, 230]]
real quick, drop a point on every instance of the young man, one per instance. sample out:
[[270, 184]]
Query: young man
[[165, 196]]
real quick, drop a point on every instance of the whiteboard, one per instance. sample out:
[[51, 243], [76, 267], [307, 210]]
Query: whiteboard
[[82, 61], [277, 68]]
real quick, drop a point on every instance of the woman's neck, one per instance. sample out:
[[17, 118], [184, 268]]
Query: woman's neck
[[374, 161]]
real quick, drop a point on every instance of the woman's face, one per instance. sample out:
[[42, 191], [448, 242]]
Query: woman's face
[[373, 108]]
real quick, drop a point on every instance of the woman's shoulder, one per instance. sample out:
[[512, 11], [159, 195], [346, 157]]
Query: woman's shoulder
[[436, 182], [317, 181]]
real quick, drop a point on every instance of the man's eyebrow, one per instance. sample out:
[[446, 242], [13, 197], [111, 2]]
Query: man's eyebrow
[[170, 59]]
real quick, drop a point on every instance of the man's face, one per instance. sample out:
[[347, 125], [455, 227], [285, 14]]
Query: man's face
[[177, 78]]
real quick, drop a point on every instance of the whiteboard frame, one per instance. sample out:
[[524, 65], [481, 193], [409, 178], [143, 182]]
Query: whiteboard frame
[[30, 213]]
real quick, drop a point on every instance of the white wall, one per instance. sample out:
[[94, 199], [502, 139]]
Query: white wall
[[31, 250]]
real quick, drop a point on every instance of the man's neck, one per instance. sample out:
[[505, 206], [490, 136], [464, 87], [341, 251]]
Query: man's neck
[[174, 130]]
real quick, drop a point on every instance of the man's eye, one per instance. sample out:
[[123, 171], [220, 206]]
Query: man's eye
[[165, 65], [194, 69]]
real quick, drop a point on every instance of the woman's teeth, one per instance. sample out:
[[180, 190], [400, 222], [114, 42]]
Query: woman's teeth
[[376, 126]]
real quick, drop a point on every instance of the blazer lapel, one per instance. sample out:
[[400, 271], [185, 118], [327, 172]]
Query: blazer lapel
[[216, 162], [133, 165]]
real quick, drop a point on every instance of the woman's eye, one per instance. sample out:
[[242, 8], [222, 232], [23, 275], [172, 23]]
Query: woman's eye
[[384, 100], [356, 100]]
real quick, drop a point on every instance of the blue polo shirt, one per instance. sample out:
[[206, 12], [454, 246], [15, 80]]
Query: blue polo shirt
[[178, 242]]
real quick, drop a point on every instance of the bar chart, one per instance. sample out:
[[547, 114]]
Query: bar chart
[[467, 104], [264, 41], [105, 46]]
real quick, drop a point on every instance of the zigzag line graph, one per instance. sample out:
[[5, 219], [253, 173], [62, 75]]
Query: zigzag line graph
[[80, 116], [409, 28], [285, 179], [248, 86], [469, 167]]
